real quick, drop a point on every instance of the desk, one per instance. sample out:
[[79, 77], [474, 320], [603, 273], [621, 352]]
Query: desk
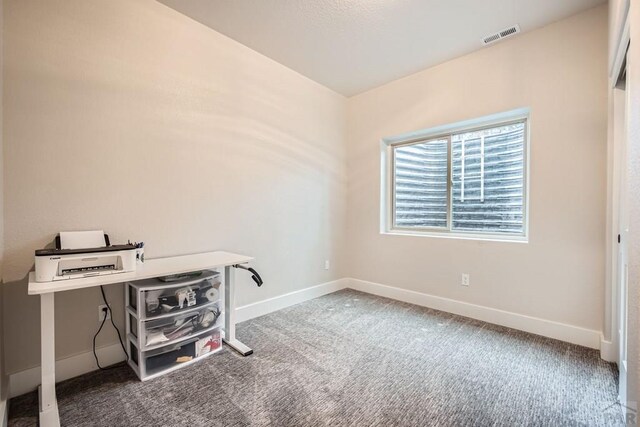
[[49, 416]]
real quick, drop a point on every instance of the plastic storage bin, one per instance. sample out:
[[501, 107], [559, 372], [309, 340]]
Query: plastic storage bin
[[173, 324], [153, 298], [171, 329], [174, 356]]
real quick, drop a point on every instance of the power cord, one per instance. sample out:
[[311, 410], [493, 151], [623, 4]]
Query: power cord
[[108, 313]]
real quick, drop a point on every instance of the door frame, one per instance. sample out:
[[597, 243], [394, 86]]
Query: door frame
[[609, 342], [612, 346]]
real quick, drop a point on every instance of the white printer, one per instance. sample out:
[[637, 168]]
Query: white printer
[[61, 264]]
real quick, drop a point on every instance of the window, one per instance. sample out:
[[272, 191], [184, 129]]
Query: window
[[467, 179]]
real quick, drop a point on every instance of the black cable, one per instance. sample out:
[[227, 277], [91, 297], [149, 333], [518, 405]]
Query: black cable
[[104, 297], [110, 315], [95, 355]]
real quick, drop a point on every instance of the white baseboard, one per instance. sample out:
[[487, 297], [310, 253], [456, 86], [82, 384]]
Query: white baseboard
[[28, 380], [4, 413], [608, 350], [270, 305], [534, 325], [4, 400]]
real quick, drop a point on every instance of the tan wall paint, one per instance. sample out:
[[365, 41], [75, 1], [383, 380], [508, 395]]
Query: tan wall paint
[[116, 107], [128, 116], [560, 72]]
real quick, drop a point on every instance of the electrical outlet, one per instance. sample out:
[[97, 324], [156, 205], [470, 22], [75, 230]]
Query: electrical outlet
[[465, 279], [102, 310], [327, 264]]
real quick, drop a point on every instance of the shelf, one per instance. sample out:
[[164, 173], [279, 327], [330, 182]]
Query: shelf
[[154, 284], [164, 360], [131, 311], [152, 375], [195, 334], [149, 298]]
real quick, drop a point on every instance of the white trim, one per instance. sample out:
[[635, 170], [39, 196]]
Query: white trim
[[28, 380], [4, 413], [4, 400], [386, 168], [621, 52], [608, 350], [620, 34], [506, 238], [458, 127], [534, 325], [260, 308]]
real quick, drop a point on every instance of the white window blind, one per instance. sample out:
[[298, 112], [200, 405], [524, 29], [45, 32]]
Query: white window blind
[[488, 180], [469, 182], [421, 176]]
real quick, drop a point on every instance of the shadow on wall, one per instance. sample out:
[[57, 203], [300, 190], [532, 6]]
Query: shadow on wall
[[24, 333], [151, 127]]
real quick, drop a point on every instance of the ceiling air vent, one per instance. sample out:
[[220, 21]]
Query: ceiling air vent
[[502, 34]]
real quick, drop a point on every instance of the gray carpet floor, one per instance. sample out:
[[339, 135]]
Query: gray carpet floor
[[353, 359]]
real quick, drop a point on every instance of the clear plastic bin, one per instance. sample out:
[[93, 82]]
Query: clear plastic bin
[[172, 324], [168, 357], [165, 330], [165, 298]]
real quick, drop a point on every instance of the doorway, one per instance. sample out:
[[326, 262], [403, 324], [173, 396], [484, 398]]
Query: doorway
[[621, 223]]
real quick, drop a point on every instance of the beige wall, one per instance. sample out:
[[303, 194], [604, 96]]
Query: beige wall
[[128, 116], [558, 71]]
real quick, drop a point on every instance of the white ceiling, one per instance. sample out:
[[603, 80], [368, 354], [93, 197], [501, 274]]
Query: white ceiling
[[355, 45]]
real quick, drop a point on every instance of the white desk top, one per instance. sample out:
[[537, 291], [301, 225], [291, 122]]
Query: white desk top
[[151, 268]]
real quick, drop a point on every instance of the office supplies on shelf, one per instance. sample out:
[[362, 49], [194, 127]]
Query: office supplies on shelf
[[166, 299], [211, 294], [174, 277], [68, 261], [139, 252], [207, 344]]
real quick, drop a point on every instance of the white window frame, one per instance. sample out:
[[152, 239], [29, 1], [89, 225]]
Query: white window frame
[[387, 186]]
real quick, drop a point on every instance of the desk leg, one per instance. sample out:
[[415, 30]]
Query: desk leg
[[230, 313], [47, 391]]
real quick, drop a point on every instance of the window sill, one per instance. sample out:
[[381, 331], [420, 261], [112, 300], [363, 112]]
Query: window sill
[[459, 236]]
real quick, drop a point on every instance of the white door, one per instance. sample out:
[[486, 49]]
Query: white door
[[620, 135], [622, 311]]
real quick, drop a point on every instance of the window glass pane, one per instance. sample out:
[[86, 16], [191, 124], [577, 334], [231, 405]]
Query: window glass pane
[[421, 184], [488, 180]]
